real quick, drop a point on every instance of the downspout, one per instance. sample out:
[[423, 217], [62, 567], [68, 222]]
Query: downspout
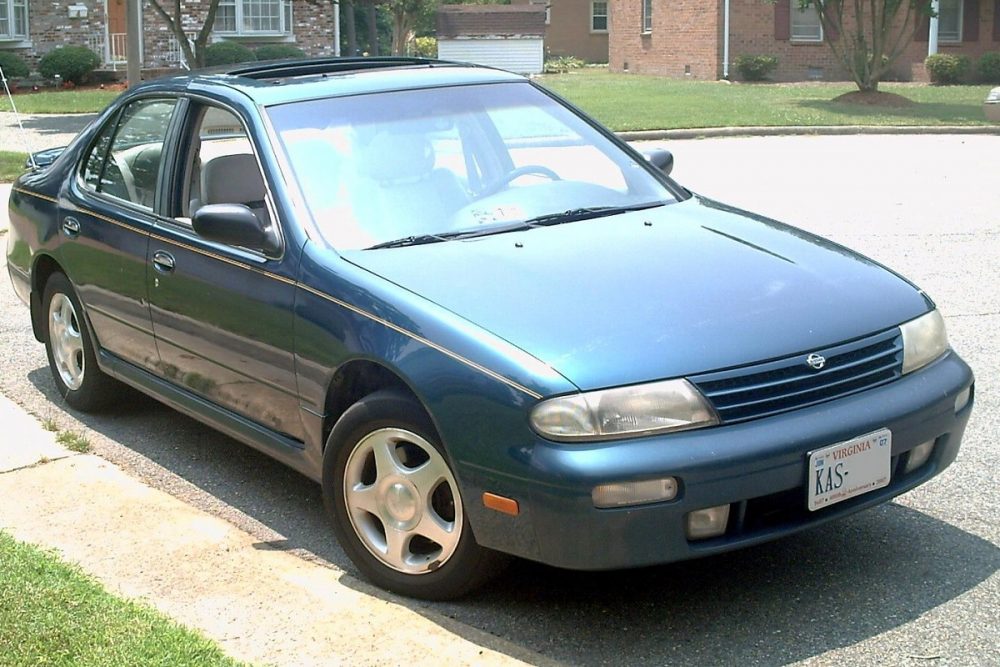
[[932, 37], [725, 40]]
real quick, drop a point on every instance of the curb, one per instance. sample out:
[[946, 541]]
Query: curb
[[793, 130]]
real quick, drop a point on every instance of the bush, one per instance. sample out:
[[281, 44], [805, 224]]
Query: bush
[[425, 47], [227, 53], [946, 69], [562, 64], [13, 65], [279, 51], [71, 63], [755, 68], [988, 68]]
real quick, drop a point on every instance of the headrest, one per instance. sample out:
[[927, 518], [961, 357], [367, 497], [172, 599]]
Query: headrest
[[232, 179], [397, 158]]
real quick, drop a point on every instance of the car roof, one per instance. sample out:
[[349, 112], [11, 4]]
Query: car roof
[[281, 81]]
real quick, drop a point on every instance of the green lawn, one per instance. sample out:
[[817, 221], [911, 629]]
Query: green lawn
[[638, 102], [61, 101], [53, 614], [11, 165]]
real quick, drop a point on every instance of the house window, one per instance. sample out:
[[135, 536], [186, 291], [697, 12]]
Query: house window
[[253, 17], [950, 21], [548, 9], [647, 15], [598, 16], [805, 24], [13, 19]]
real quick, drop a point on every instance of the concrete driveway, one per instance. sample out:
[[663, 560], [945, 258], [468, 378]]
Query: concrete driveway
[[914, 582]]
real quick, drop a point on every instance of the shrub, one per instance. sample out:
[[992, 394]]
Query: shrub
[[946, 69], [13, 65], [227, 53], [988, 68], [425, 47], [755, 68], [279, 51], [72, 63], [562, 64]]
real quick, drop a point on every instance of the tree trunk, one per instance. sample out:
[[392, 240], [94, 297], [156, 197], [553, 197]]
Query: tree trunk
[[351, 27], [372, 30]]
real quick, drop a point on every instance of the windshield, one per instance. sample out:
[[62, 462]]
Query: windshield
[[419, 166]]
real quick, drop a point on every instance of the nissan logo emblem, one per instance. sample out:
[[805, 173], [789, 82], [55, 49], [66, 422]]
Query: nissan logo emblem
[[816, 361]]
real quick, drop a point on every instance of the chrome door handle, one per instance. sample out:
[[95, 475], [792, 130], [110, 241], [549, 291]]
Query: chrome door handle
[[71, 227], [163, 261]]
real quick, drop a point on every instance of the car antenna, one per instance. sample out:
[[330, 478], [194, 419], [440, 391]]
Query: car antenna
[[31, 158]]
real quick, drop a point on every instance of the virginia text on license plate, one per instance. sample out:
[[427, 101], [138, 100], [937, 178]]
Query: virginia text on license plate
[[848, 469]]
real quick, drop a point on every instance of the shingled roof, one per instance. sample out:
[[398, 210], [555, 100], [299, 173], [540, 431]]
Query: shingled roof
[[490, 21]]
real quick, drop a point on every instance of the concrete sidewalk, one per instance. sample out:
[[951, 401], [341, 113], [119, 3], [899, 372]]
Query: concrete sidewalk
[[261, 605]]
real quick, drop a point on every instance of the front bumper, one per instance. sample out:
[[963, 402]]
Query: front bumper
[[757, 467]]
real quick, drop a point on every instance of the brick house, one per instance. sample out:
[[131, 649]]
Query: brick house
[[31, 28], [511, 37], [577, 28], [684, 38]]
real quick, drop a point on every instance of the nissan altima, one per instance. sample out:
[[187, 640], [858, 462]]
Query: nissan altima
[[484, 324]]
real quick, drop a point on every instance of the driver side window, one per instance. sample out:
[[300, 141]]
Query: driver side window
[[124, 162]]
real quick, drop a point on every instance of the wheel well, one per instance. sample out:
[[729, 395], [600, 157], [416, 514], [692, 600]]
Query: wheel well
[[354, 381], [44, 267]]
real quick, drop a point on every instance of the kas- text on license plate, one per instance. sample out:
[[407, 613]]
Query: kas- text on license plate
[[849, 469]]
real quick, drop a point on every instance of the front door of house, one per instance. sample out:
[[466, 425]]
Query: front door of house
[[116, 31]]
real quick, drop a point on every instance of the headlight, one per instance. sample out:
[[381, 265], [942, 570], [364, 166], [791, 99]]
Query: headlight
[[659, 407], [924, 340]]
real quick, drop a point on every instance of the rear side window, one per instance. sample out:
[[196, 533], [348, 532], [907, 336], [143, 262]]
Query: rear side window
[[124, 162]]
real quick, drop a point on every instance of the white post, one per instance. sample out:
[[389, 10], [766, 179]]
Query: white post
[[725, 41], [336, 28], [932, 37]]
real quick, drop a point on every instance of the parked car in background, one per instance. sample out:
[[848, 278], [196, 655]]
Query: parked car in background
[[483, 323]]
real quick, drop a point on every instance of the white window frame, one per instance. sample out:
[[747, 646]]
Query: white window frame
[[595, 15], [811, 34], [284, 18], [647, 16], [10, 33], [956, 37]]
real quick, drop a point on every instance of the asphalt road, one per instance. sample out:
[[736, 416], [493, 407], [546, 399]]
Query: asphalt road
[[914, 582]]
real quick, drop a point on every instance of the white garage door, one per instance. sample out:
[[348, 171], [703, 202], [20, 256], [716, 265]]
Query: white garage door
[[520, 55]]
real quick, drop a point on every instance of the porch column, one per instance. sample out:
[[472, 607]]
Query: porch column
[[932, 37]]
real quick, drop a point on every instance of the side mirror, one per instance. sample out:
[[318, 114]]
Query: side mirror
[[232, 224], [660, 158], [43, 159]]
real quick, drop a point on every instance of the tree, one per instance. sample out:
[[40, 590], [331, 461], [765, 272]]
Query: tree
[[874, 35], [194, 53]]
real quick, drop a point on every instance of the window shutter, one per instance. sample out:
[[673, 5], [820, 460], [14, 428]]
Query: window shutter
[[996, 21], [970, 21], [831, 33], [923, 29], [783, 20]]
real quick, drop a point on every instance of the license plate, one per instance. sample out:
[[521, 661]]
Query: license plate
[[849, 469]]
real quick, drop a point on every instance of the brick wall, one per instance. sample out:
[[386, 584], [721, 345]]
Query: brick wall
[[568, 31], [690, 34], [49, 26]]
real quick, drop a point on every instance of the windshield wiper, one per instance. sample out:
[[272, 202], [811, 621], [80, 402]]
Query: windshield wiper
[[412, 240], [586, 213]]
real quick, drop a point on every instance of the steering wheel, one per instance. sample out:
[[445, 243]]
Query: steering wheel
[[518, 172]]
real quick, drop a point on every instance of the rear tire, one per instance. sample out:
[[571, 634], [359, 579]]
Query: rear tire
[[395, 505], [71, 350]]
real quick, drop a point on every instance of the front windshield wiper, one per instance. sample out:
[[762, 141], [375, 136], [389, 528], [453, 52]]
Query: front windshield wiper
[[586, 213], [413, 240]]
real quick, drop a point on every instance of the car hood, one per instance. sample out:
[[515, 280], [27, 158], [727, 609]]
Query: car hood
[[666, 292]]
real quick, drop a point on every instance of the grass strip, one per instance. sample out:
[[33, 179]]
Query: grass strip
[[51, 613], [11, 166]]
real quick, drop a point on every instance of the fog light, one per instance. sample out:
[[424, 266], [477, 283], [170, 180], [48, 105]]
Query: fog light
[[919, 455], [621, 494], [709, 522], [963, 398]]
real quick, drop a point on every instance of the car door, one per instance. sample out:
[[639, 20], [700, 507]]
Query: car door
[[222, 315], [105, 224]]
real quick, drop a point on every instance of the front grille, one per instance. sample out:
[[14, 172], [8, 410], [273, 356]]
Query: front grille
[[751, 392]]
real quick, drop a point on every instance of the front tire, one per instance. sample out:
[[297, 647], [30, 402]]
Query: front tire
[[395, 504], [71, 350]]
